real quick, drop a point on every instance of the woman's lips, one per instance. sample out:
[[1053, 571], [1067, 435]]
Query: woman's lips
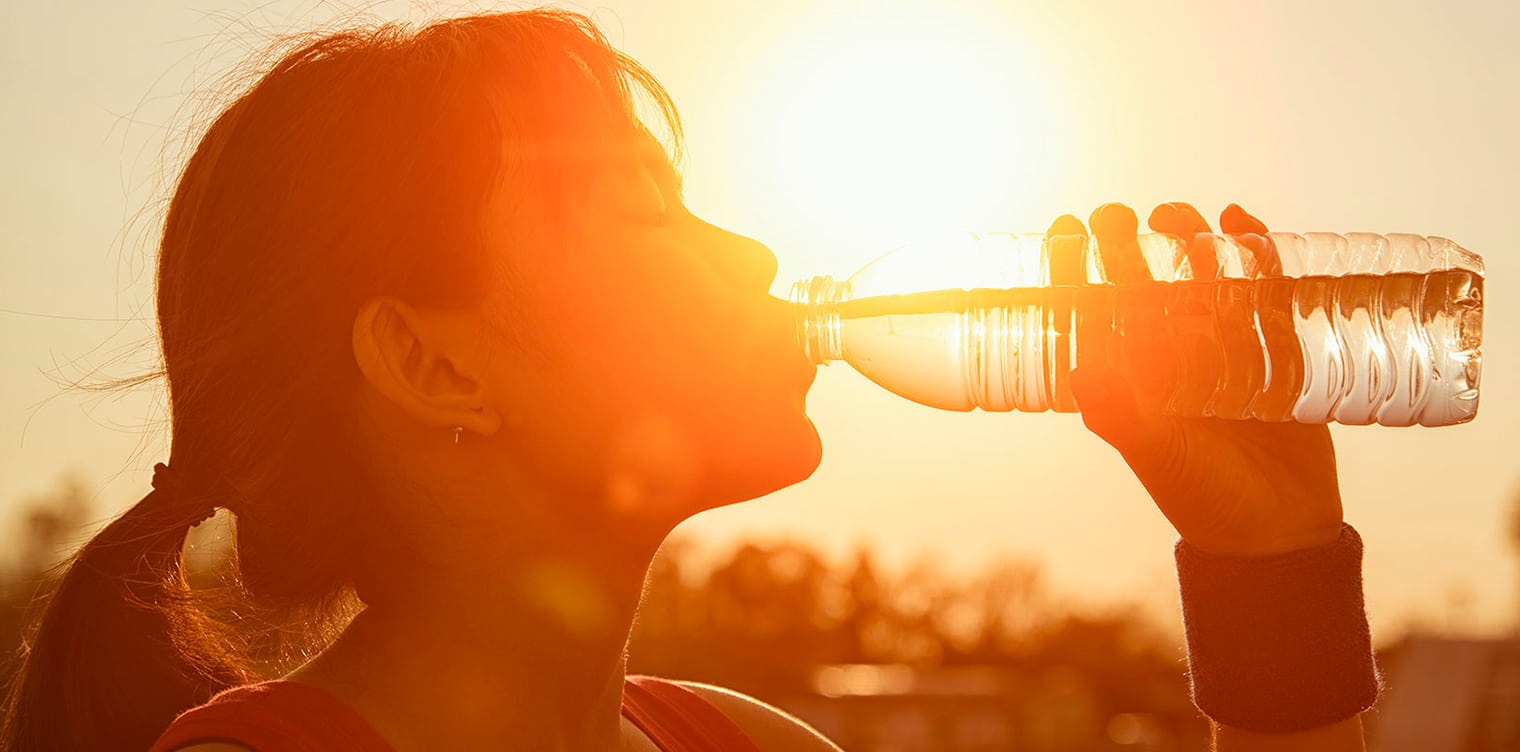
[[768, 337], [809, 372]]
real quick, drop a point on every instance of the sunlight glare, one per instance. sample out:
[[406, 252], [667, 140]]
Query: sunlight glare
[[889, 127]]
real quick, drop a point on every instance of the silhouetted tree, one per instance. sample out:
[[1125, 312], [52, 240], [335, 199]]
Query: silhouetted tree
[[861, 606]]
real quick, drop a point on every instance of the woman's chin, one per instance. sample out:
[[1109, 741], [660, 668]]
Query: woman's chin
[[766, 462]]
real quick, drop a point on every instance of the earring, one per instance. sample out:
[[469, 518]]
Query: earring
[[457, 430]]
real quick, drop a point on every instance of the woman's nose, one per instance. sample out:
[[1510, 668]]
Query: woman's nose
[[745, 262]]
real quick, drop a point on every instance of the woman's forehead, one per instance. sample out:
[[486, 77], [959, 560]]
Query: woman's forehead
[[520, 201]]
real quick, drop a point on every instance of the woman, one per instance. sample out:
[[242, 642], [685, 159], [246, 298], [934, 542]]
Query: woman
[[440, 333]]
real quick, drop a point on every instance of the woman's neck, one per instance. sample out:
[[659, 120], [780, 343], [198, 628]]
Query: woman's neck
[[494, 651]]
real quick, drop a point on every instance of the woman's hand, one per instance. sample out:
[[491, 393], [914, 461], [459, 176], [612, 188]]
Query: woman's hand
[[1230, 487]]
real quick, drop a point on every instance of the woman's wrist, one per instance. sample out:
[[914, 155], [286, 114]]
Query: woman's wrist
[[1341, 736], [1258, 543], [1278, 643]]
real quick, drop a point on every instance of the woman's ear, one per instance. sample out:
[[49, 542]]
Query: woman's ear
[[429, 362]]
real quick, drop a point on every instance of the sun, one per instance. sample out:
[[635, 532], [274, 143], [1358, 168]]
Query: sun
[[908, 122]]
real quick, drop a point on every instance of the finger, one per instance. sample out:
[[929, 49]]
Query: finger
[[1066, 224], [1139, 308], [1066, 249], [1115, 227], [1183, 220], [1066, 255], [1237, 221], [1178, 218], [1113, 222], [1110, 410], [1251, 233]]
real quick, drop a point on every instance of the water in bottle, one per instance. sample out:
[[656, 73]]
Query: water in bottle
[[1315, 328]]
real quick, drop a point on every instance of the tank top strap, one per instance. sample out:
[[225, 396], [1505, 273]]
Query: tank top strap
[[275, 716], [680, 720], [286, 716]]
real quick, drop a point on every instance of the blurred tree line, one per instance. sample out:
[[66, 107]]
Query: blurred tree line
[[767, 618], [44, 529], [767, 614]]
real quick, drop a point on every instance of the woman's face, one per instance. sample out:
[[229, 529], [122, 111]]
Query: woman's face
[[649, 366]]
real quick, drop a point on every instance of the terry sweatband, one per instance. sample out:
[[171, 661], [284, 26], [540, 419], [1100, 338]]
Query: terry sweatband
[[1278, 643]]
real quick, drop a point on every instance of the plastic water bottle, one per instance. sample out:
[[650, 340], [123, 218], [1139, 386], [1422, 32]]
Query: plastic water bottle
[[1355, 328]]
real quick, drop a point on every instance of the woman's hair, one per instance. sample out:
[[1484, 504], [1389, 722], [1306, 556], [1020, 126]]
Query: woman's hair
[[360, 165]]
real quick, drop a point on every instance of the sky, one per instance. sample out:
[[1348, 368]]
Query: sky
[[830, 130]]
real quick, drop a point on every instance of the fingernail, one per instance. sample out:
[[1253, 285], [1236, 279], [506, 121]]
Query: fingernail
[[1163, 218], [1114, 220], [1066, 224], [1237, 220]]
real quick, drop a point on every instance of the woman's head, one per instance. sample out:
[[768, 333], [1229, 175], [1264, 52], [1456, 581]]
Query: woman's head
[[468, 225], [397, 231]]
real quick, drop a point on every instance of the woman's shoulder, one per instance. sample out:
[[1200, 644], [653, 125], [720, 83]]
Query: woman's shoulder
[[277, 714], [770, 727]]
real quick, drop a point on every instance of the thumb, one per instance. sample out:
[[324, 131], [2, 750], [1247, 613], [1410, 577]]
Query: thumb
[[1109, 409]]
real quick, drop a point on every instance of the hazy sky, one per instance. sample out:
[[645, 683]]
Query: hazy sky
[[827, 129]]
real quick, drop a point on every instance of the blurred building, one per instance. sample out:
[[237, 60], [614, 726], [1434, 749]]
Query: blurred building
[[895, 708], [1450, 695]]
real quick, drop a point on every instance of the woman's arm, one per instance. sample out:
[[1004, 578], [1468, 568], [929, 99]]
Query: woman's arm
[[1257, 505], [1344, 736]]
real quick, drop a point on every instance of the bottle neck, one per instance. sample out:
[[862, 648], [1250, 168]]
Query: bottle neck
[[817, 317]]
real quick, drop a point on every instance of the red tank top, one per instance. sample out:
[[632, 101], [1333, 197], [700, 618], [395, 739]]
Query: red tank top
[[286, 716]]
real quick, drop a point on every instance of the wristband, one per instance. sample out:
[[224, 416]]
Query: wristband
[[1278, 643]]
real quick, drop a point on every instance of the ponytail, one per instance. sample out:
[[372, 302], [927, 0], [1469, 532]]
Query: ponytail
[[119, 648]]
